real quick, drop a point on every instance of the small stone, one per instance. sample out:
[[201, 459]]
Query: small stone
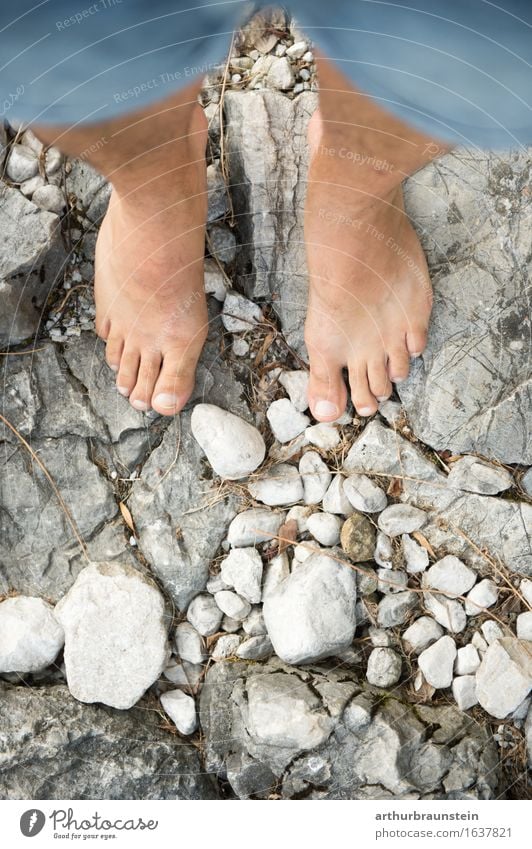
[[311, 614], [367, 580], [395, 608], [451, 576], [315, 475], [526, 481], [523, 625], [240, 347], [492, 631], [275, 572], [483, 595], [285, 421], [422, 633], [416, 557], [479, 642], [233, 447], [52, 160], [233, 605], [253, 624], [280, 485], [447, 611], [255, 648], [22, 163], [215, 284], [467, 660], [50, 198], [525, 588], [30, 635], [204, 615], [236, 78], [358, 538], [437, 661], [357, 715], [303, 551], [401, 519], [29, 186], [325, 527], [115, 634], [465, 691], [304, 74], [296, 384], [384, 667], [308, 57], [383, 553], [215, 584], [379, 637], [226, 646], [184, 674], [253, 526], [222, 243], [391, 411], [297, 50], [300, 515], [189, 644], [242, 570], [364, 495], [335, 501], [181, 709], [392, 580], [473, 475], [230, 626], [29, 139], [324, 436], [280, 76], [239, 313], [504, 677]]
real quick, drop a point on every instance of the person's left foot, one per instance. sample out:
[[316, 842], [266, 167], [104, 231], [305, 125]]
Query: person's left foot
[[370, 294]]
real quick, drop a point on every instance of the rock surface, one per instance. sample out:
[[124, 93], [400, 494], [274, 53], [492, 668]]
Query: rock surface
[[44, 758]]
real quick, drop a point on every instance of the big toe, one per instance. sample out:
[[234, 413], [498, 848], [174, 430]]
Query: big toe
[[327, 394], [175, 384]]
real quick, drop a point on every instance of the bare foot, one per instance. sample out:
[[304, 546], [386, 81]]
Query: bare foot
[[150, 301], [370, 294]]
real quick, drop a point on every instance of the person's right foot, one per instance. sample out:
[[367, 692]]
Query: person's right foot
[[150, 300]]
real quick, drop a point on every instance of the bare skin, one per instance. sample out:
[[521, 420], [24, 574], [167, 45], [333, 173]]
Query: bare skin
[[370, 295], [150, 301], [369, 299]]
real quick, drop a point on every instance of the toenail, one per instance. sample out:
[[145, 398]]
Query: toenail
[[397, 379], [326, 409], [123, 390], [382, 397], [140, 405], [165, 400], [365, 411], [113, 367], [416, 354]]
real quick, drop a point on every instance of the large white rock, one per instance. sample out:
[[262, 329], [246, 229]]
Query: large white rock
[[437, 661], [285, 421], [483, 595], [473, 475], [451, 576], [325, 527], [504, 677], [296, 384], [401, 519], [115, 634], [422, 633], [242, 570], [30, 635], [181, 709], [384, 667], [364, 495], [447, 611], [253, 526], [233, 447], [280, 485], [311, 614], [315, 475]]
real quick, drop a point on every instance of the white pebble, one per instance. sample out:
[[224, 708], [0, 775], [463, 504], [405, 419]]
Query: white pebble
[[401, 519], [233, 605], [285, 421], [324, 436], [437, 661], [181, 709], [465, 691], [364, 495], [483, 595], [315, 475], [325, 527]]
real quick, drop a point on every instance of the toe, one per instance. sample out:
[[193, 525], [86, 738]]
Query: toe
[[398, 363], [128, 371], [363, 399], [379, 382], [327, 394], [113, 351], [150, 366], [102, 327], [175, 384], [416, 341]]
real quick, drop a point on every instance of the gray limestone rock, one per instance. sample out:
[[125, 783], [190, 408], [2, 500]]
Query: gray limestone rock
[[31, 257], [53, 747]]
